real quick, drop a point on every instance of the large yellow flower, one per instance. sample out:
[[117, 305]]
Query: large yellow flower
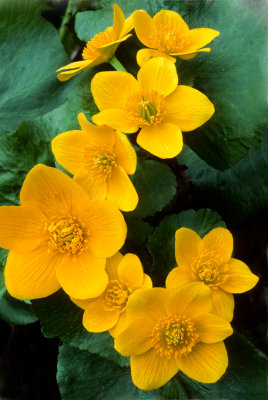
[[171, 330], [209, 261], [108, 311], [58, 237], [154, 102], [167, 35], [101, 47], [100, 159]]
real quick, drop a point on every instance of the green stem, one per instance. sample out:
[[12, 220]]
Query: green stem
[[116, 64], [70, 11]]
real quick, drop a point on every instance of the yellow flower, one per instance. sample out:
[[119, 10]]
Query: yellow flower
[[209, 261], [171, 330], [154, 102], [58, 237], [100, 159], [101, 47], [108, 311], [167, 35]]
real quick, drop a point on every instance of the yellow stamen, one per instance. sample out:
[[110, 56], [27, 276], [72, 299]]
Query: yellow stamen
[[174, 336], [169, 41], [91, 50], [210, 269], [66, 235], [146, 108], [99, 161], [116, 295]]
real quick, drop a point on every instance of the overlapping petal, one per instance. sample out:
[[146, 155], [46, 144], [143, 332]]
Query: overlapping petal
[[121, 191], [97, 318], [147, 303], [240, 279], [130, 271], [187, 246], [223, 304], [211, 328]]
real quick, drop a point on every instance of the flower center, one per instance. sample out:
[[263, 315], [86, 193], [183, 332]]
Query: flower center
[[66, 236], [116, 295], [146, 108], [170, 41], [91, 50], [174, 336], [99, 162], [210, 269]]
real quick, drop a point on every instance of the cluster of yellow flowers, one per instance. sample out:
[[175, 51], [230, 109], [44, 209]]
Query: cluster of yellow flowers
[[67, 232]]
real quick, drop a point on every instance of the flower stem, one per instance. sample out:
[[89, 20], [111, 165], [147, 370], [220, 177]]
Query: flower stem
[[116, 64]]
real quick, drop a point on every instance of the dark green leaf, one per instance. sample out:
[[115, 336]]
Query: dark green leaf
[[138, 232], [156, 186], [30, 53], [61, 318], [161, 243], [16, 312], [3, 257]]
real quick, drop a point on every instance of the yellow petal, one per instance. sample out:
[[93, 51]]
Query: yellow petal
[[144, 55], [163, 140], [21, 228], [97, 135], [82, 276], [97, 318], [223, 304], [68, 149], [119, 21], [171, 21], [108, 50], [145, 28], [130, 271], [121, 191], [136, 338], [189, 56], [55, 192], [220, 242], [117, 119], [149, 370], [211, 328], [120, 326], [188, 108], [32, 275], [111, 89], [128, 26], [206, 363], [187, 246], [178, 277], [147, 303], [106, 226], [125, 154], [199, 37], [95, 189], [66, 75], [82, 303], [74, 65], [191, 299], [147, 282], [112, 264], [158, 74], [240, 278]]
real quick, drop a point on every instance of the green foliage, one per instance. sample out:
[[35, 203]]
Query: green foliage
[[161, 243], [15, 311], [156, 186], [30, 53], [241, 190], [3, 257], [61, 318]]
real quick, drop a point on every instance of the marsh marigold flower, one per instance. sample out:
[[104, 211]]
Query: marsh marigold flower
[[101, 47], [209, 261], [100, 159], [108, 311], [171, 330], [168, 35], [154, 103], [58, 237]]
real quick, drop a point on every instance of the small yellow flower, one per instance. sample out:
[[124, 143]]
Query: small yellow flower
[[171, 330], [100, 159], [58, 237], [108, 311], [209, 261], [167, 35], [101, 47], [154, 102]]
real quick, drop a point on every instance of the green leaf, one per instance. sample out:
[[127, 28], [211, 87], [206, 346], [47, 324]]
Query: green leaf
[[138, 232], [3, 257], [61, 318], [30, 53], [156, 186], [161, 244], [233, 76], [83, 376], [241, 190], [16, 312], [245, 378]]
